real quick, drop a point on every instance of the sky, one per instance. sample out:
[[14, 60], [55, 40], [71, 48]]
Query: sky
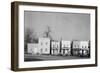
[[65, 26]]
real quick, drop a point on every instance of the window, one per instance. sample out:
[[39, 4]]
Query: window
[[46, 43], [67, 45], [53, 45], [64, 45], [41, 50], [57, 46], [30, 49], [46, 49], [74, 46], [82, 46]]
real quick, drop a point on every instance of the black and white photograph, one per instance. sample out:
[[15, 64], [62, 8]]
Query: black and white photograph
[[56, 36], [53, 36]]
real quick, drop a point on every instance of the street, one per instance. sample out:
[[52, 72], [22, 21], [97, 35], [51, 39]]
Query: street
[[31, 57]]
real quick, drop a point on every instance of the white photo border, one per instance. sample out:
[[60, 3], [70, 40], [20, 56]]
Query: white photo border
[[23, 64]]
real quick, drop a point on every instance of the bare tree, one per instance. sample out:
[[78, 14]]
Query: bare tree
[[29, 37], [47, 33], [28, 34]]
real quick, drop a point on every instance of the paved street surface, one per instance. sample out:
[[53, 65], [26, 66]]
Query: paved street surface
[[30, 57]]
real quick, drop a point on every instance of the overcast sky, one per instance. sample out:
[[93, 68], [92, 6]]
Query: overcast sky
[[68, 26]]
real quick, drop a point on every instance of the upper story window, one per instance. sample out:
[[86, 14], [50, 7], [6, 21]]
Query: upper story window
[[41, 50], [46, 43], [53, 45], [46, 49], [57, 46], [74, 46], [85, 46], [64, 45]]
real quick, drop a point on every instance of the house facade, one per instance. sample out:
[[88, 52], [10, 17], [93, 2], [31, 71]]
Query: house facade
[[44, 45], [65, 47], [84, 48], [33, 48], [55, 47], [75, 48]]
